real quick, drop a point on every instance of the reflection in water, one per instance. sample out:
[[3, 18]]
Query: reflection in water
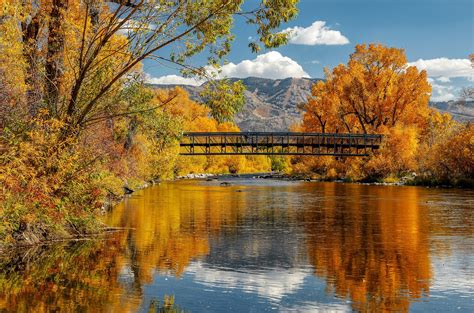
[[64, 277], [372, 250], [258, 245]]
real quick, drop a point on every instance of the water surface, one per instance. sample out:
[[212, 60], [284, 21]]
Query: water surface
[[260, 246]]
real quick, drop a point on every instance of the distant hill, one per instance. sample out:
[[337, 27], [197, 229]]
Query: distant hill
[[272, 104], [461, 111]]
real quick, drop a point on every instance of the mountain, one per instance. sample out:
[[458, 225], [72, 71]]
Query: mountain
[[272, 104], [460, 110]]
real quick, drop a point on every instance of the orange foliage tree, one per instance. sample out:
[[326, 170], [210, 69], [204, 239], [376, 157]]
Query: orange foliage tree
[[372, 93], [451, 159], [376, 92]]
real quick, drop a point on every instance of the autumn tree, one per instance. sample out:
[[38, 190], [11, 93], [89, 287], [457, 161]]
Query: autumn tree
[[373, 92], [77, 121], [377, 92], [79, 52]]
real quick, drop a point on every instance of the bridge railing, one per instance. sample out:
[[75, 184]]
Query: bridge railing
[[278, 143]]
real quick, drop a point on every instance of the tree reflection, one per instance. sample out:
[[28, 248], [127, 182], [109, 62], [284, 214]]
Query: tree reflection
[[370, 244], [165, 306], [78, 276], [368, 248], [165, 229], [170, 226]]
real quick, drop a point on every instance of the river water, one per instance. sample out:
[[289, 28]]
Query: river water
[[260, 246]]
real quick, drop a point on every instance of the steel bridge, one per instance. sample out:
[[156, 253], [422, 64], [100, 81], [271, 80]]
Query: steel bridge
[[278, 143]]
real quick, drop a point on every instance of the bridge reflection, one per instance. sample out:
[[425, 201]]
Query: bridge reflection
[[278, 143]]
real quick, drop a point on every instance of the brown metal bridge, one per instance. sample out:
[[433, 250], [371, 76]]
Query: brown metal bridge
[[278, 143]]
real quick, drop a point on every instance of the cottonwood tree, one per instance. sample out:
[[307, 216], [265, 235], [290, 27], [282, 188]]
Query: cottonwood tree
[[373, 92], [80, 54]]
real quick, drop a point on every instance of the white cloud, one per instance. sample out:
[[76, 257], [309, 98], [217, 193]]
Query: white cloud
[[441, 71], [272, 284], [445, 68], [315, 62], [316, 34], [173, 80], [442, 93], [269, 65], [443, 79]]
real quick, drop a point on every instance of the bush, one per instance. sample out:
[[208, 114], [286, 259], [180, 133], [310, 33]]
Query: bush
[[451, 161]]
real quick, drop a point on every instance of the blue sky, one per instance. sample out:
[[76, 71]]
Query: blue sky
[[437, 35]]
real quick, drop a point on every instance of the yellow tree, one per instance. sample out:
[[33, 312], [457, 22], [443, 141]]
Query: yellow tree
[[79, 115], [99, 43], [374, 91]]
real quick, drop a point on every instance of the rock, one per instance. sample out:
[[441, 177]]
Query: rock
[[225, 183]]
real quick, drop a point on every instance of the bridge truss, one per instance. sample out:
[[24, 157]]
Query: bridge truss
[[278, 143]]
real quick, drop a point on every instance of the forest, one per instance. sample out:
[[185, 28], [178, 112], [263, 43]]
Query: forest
[[78, 122]]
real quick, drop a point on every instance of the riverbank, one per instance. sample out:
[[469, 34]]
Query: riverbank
[[38, 234], [412, 180]]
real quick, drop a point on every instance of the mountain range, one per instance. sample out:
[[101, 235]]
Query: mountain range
[[272, 104]]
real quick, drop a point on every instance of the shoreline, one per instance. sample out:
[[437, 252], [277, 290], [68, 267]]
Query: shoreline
[[56, 240], [111, 202], [404, 181]]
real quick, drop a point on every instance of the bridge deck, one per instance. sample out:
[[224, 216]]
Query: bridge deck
[[278, 143]]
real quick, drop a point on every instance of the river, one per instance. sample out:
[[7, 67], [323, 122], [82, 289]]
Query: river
[[260, 246]]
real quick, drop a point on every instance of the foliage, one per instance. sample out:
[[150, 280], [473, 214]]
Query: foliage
[[451, 159], [224, 99], [78, 54], [191, 116], [377, 92], [45, 181], [397, 155], [372, 93], [77, 122]]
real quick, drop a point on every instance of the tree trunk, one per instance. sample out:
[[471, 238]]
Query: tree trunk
[[54, 65], [34, 92]]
